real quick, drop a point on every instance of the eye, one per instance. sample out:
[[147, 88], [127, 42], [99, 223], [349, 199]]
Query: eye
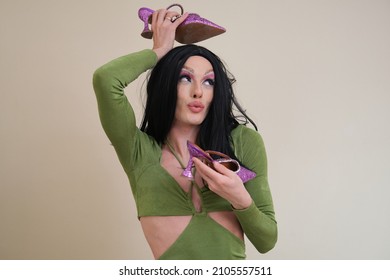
[[209, 82], [184, 78]]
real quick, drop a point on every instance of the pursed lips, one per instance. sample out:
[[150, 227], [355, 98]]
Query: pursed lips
[[196, 106]]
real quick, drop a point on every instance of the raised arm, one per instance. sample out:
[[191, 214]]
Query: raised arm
[[109, 81], [116, 114]]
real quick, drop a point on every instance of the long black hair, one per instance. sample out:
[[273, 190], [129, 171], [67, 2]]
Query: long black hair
[[215, 130]]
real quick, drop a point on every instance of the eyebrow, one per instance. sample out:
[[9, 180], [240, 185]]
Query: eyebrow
[[188, 69]]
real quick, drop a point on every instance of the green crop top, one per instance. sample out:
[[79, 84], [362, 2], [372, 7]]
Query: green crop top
[[157, 193]]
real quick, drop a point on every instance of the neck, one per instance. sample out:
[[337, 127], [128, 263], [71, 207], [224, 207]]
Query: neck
[[178, 137]]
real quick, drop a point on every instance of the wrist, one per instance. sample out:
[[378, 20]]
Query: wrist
[[241, 205], [160, 52]]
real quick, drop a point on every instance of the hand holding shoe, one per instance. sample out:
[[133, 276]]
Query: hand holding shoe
[[164, 29]]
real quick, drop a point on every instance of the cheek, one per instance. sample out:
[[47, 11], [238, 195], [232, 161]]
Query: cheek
[[180, 104], [180, 97], [182, 89], [209, 96]]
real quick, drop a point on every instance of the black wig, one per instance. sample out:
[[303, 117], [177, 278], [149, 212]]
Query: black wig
[[215, 130]]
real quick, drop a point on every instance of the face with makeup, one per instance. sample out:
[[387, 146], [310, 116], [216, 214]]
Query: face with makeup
[[195, 91]]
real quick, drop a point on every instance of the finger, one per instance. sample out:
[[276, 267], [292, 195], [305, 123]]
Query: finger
[[220, 168], [205, 171], [172, 16], [154, 18], [158, 16], [180, 19]]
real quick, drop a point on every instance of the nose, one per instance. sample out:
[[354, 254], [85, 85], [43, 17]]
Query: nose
[[197, 91]]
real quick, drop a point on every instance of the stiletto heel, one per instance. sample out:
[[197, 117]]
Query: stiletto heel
[[188, 170], [197, 152], [192, 30], [144, 15], [205, 156]]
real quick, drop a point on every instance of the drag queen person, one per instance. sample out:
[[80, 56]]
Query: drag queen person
[[190, 206]]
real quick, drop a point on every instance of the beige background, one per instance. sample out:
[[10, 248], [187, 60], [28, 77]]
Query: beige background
[[314, 75]]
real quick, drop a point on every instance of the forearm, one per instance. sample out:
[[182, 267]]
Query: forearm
[[122, 71], [258, 220], [260, 229]]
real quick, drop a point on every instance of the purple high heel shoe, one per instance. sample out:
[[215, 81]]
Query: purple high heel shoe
[[194, 29], [145, 15], [195, 151]]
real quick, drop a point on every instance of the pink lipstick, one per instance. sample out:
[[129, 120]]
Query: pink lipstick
[[196, 106]]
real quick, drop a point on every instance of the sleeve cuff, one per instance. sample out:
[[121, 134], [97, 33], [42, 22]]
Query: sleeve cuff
[[247, 212]]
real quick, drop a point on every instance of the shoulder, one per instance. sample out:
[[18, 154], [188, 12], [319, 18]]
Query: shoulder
[[248, 144], [243, 135]]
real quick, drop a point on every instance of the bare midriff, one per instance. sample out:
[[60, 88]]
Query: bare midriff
[[162, 231]]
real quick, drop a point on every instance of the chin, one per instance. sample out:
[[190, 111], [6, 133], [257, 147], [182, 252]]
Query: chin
[[198, 121], [191, 120]]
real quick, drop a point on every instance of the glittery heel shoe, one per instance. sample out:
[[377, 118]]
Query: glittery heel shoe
[[205, 156], [192, 30], [145, 15], [195, 29]]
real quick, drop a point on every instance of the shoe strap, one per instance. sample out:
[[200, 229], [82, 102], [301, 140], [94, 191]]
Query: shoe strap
[[218, 154], [178, 5], [175, 154]]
